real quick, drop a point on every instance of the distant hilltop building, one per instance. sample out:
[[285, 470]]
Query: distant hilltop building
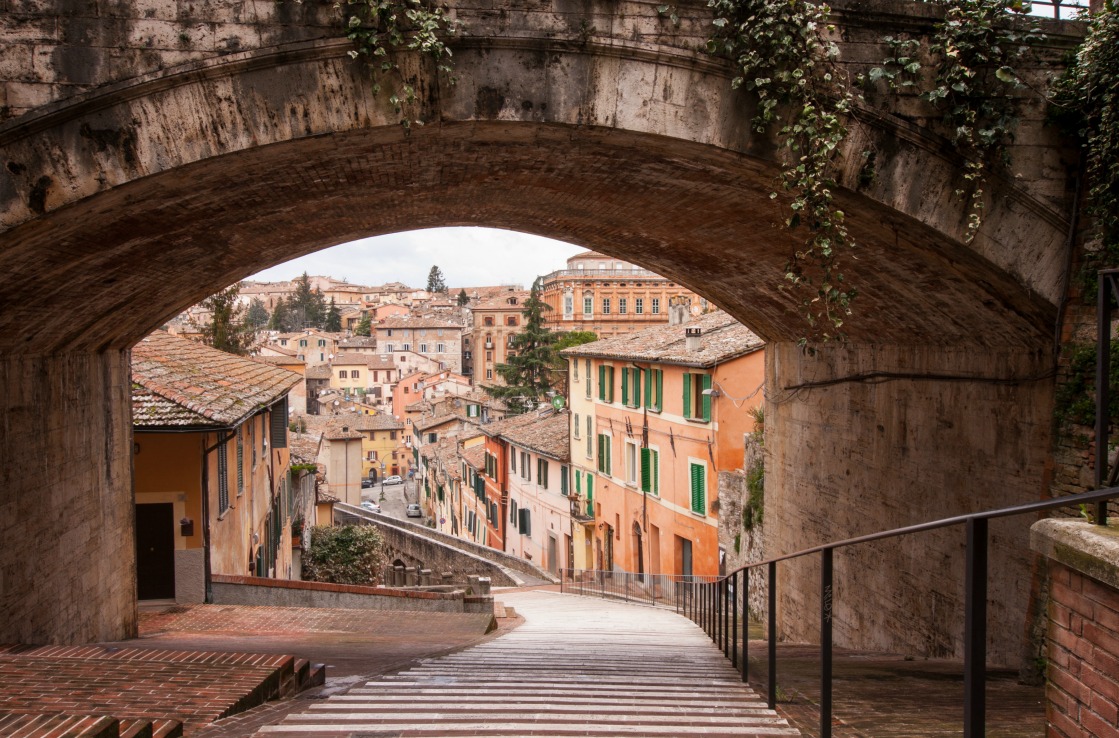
[[611, 297]]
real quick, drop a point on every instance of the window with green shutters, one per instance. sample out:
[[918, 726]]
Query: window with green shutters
[[578, 482], [587, 373], [631, 387], [650, 471], [605, 383], [565, 486], [542, 473], [524, 521], [223, 479], [698, 473], [604, 454], [654, 388], [240, 463], [590, 494], [512, 511], [697, 405]]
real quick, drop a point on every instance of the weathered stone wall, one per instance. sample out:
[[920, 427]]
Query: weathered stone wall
[[415, 549], [744, 544], [67, 574], [258, 591], [1082, 651], [957, 431]]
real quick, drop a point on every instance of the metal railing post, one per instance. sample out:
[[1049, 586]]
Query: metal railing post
[[1105, 289], [746, 626], [727, 601], [734, 625], [772, 635], [825, 641], [975, 629]]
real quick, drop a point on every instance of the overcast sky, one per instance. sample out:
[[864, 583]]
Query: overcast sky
[[467, 256]]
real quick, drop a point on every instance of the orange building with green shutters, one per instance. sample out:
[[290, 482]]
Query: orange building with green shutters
[[655, 415]]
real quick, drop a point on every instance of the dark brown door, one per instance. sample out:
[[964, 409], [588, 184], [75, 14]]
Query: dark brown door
[[155, 551]]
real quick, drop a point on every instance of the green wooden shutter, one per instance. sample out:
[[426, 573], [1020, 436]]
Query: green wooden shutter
[[646, 470], [655, 458], [590, 489], [699, 488], [636, 388], [625, 386], [687, 395], [707, 397], [660, 389], [649, 389], [578, 482], [565, 485], [602, 382]]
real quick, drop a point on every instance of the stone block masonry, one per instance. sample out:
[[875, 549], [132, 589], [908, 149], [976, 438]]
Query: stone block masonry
[[1082, 651], [66, 515]]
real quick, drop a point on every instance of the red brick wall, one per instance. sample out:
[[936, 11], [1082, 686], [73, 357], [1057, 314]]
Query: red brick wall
[[1083, 670]]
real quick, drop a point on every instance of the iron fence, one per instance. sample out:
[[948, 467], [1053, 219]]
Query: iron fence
[[659, 590], [716, 606]]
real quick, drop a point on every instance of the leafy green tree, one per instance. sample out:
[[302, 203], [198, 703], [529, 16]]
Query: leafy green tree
[[257, 316], [559, 363], [333, 320], [364, 326], [307, 306], [226, 330], [345, 554], [435, 281], [462, 298], [280, 320], [528, 373]]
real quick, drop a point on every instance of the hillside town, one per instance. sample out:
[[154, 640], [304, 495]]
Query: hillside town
[[623, 454]]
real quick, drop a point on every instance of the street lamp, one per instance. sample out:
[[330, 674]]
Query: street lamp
[[382, 480]]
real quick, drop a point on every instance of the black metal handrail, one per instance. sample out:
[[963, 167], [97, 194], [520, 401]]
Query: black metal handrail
[[712, 607]]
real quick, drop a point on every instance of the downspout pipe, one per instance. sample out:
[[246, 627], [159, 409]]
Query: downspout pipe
[[223, 437]]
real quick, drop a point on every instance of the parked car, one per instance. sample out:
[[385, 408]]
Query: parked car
[[367, 483], [394, 479], [371, 506], [414, 510]]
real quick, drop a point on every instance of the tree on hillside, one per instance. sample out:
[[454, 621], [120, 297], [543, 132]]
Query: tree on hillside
[[307, 306], [435, 281], [257, 316], [364, 326], [528, 371], [227, 330], [280, 320], [345, 554], [462, 298], [333, 320], [559, 363]]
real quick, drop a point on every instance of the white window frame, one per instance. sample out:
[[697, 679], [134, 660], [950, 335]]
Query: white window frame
[[631, 454]]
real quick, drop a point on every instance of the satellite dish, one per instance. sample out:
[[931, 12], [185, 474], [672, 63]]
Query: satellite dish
[[558, 402]]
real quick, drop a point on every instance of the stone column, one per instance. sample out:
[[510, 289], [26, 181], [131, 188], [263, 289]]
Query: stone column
[[67, 545], [949, 433]]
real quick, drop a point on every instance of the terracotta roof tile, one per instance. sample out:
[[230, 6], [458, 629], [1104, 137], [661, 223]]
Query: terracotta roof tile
[[723, 338], [405, 321], [546, 434], [318, 371], [220, 388], [373, 361]]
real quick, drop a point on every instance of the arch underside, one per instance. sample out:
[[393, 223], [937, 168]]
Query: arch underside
[[120, 263]]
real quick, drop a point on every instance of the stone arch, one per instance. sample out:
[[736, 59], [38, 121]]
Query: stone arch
[[150, 191]]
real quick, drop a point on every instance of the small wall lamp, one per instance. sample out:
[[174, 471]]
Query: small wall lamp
[[186, 527]]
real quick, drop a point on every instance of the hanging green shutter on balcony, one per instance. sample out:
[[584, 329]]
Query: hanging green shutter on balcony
[[707, 397], [699, 488], [687, 395], [578, 482], [590, 488]]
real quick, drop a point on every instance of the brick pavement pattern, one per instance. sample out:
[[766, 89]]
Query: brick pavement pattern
[[191, 687], [570, 669]]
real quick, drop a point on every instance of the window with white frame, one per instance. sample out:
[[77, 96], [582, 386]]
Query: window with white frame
[[590, 451], [621, 306], [577, 426], [606, 306], [656, 306], [639, 305], [423, 348], [631, 463]]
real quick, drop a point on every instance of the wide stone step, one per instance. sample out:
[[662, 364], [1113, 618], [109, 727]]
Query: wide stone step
[[624, 671]]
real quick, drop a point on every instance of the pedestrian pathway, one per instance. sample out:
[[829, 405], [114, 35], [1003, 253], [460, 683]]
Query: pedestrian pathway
[[572, 668]]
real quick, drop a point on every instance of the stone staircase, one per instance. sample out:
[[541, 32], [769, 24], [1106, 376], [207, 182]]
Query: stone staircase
[[610, 670]]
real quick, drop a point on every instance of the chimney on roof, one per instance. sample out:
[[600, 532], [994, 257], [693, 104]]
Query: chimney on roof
[[678, 312], [693, 339]]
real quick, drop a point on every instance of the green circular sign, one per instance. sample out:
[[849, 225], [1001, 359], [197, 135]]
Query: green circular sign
[[558, 402]]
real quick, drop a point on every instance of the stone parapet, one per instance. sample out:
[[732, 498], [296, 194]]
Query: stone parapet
[[1082, 650]]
